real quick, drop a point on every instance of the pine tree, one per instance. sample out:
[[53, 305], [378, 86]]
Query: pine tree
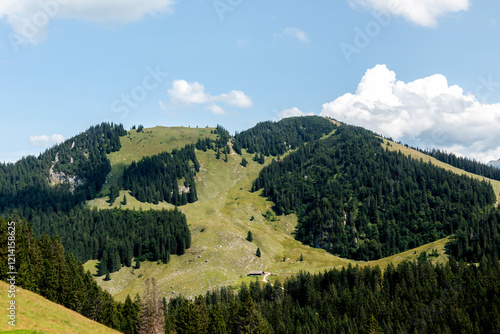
[[137, 264], [244, 162], [151, 319], [258, 254], [217, 323], [124, 201], [102, 267], [249, 236], [108, 277], [130, 314]]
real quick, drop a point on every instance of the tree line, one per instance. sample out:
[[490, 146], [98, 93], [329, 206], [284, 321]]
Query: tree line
[[468, 165], [26, 183], [414, 297], [115, 236], [277, 138], [358, 200]]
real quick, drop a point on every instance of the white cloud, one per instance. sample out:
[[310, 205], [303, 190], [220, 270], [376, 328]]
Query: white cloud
[[215, 109], [185, 93], [46, 141], [422, 12], [293, 112], [30, 18], [294, 33], [427, 113]]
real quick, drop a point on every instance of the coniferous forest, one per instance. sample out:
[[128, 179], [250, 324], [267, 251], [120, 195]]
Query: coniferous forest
[[154, 179], [414, 297], [358, 200], [44, 267], [49, 191], [277, 138]]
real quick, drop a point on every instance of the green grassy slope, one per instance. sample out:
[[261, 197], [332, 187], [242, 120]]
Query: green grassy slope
[[35, 314], [419, 155], [137, 145], [219, 223]]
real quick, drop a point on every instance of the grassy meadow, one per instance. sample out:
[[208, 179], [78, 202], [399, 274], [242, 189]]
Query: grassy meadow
[[35, 314]]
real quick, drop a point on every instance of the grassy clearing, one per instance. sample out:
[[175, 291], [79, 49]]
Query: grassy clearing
[[136, 145], [419, 155], [35, 314], [219, 221]]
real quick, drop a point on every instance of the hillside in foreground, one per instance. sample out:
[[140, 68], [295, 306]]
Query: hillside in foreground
[[35, 314]]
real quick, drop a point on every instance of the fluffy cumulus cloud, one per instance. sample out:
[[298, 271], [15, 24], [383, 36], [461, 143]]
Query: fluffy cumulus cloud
[[185, 93], [428, 113], [422, 12], [30, 18], [294, 33], [46, 141], [293, 112]]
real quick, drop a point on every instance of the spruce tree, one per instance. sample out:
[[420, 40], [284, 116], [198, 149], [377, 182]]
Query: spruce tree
[[257, 253], [249, 236], [137, 264]]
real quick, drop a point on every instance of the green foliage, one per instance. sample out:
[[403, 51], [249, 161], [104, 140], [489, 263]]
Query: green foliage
[[276, 138], [249, 236], [414, 297], [270, 216], [357, 200], [244, 162], [124, 201], [115, 236], [477, 237], [257, 253], [464, 163], [79, 167], [154, 179], [44, 268]]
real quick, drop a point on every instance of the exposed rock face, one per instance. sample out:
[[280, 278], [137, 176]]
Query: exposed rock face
[[61, 177]]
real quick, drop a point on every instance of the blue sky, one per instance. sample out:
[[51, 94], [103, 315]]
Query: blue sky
[[427, 74]]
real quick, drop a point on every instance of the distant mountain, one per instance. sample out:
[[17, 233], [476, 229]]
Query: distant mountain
[[494, 163]]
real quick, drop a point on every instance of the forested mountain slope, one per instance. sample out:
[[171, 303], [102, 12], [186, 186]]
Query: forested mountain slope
[[358, 200], [62, 176]]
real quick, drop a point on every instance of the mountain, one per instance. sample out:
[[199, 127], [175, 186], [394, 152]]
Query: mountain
[[316, 194], [494, 163], [360, 200]]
